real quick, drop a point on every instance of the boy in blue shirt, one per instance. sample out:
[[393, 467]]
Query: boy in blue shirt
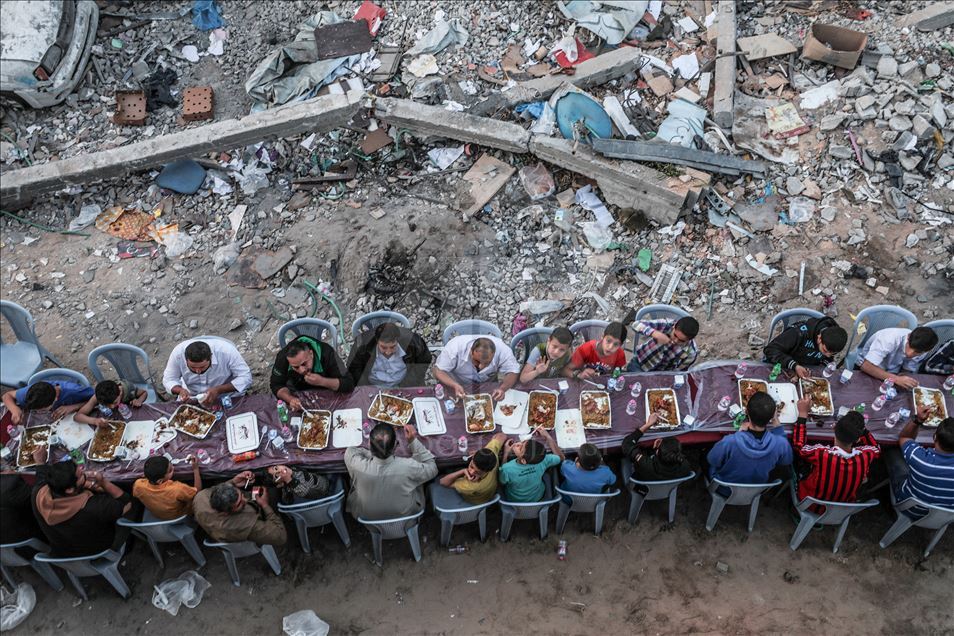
[[587, 474], [63, 397], [522, 478], [749, 455]]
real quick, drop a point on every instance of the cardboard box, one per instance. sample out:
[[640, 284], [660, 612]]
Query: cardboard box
[[834, 45]]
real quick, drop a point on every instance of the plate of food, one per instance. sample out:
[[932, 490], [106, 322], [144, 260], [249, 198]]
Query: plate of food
[[595, 409], [569, 428], [542, 409], [785, 395], [479, 413], [749, 387], [241, 433], [819, 391], [138, 438], [73, 434], [192, 420], [346, 428], [162, 433], [933, 399], [315, 429], [106, 440], [428, 416], [664, 402], [391, 409], [508, 414], [32, 439]]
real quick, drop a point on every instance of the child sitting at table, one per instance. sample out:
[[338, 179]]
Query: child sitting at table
[[547, 359], [162, 496], [110, 394], [588, 474], [62, 397], [477, 483], [522, 478]]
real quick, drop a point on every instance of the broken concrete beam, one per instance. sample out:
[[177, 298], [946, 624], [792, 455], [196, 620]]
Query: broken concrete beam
[[722, 111], [675, 154], [931, 18], [435, 120], [314, 115]]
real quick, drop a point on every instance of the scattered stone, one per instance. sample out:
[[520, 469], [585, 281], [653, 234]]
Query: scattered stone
[[794, 186], [887, 66], [932, 70], [235, 324], [831, 122], [88, 275], [899, 123], [922, 127], [881, 289], [912, 240], [840, 152], [722, 567]]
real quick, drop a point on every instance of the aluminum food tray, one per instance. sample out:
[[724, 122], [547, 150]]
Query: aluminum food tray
[[675, 403], [814, 410], [605, 396], [89, 451], [33, 430], [196, 408], [387, 419], [556, 398], [934, 420], [302, 427], [486, 399]]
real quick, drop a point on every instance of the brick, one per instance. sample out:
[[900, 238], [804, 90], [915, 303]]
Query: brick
[[198, 103], [130, 108]]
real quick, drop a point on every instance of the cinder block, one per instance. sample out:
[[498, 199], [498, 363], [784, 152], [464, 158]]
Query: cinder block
[[198, 103], [130, 108]]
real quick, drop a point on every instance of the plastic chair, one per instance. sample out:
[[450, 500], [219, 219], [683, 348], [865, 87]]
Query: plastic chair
[[317, 513], [242, 549], [583, 502], [454, 511], [876, 318], [836, 514], [944, 329], [471, 327], [374, 319], [659, 312], [539, 510], [155, 531], [20, 359], [655, 490], [59, 375], [937, 519], [104, 564], [10, 558], [529, 338], [397, 528], [789, 317], [311, 327], [589, 329], [739, 495], [125, 360]]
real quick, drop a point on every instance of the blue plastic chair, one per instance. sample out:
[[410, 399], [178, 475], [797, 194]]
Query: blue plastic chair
[[835, 514], [739, 495], [943, 328], [125, 360], [471, 327], [937, 519], [660, 311], [105, 564], [397, 528], [589, 329], [454, 511], [641, 491], [875, 319], [59, 375], [20, 359], [789, 317], [528, 339], [242, 549], [10, 558], [311, 327], [317, 513], [372, 320], [583, 502], [155, 531]]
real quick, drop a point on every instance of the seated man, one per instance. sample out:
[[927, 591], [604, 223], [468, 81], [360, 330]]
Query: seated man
[[834, 473], [476, 359], [924, 473], [307, 364], [229, 515], [522, 477], [587, 474], [890, 352], [548, 359], [941, 360], [751, 453], [662, 462], [670, 346], [17, 522], [63, 397], [815, 341], [477, 483], [164, 497], [389, 356], [214, 367], [110, 394], [296, 485], [599, 357], [384, 486]]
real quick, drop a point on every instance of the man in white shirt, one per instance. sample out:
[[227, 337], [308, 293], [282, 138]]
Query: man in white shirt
[[213, 367], [889, 352], [476, 359]]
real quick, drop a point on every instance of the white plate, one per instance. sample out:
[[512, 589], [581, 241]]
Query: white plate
[[349, 432], [513, 423], [242, 433], [787, 394], [162, 433], [73, 434], [139, 432], [569, 429], [428, 416]]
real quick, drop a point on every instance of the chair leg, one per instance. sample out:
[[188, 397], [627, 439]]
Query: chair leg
[[672, 504], [378, 550], [937, 537], [544, 523], [805, 524], [192, 547], [635, 505], [233, 568], [562, 514], [842, 528], [506, 522], [715, 511], [339, 522], [415, 540], [47, 573], [900, 526], [77, 585], [482, 524], [155, 551], [600, 508], [447, 527], [303, 536], [271, 557], [111, 573], [754, 512], [8, 576]]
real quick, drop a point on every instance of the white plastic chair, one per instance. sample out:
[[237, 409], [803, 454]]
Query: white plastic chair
[[374, 319], [155, 531], [104, 564], [583, 502], [125, 360], [398, 528], [937, 519], [471, 327], [835, 514], [539, 510], [739, 495], [21, 358], [59, 375], [660, 311], [528, 339], [242, 549], [317, 513], [654, 490], [454, 511], [10, 558], [789, 317], [589, 329], [875, 319], [311, 327]]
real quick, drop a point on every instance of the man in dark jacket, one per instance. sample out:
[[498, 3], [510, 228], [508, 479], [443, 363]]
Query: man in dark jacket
[[389, 356], [662, 462], [815, 341], [307, 364], [17, 522]]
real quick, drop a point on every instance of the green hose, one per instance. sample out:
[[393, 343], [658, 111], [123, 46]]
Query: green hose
[[330, 301], [42, 227], [7, 137]]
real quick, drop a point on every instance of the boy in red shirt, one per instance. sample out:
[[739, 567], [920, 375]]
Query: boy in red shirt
[[599, 357]]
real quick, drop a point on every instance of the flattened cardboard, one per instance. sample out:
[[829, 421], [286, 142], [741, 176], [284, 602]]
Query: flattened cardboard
[[846, 45], [759, 47]]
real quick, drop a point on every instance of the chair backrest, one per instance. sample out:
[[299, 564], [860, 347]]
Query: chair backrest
[[59, 375], [528, 339], [371, 321], [742, 494], [80, 566], [875, 319], [936, 517], [471, 327], [311, 327], [392, 528], [586, 502], [789, 317], [238, 549], [944, 329], [125, 360], [21, 322], [661, 489], [660, 311], [836, 511], [311, 511], [10, 557], [159, 530], [589, 329]]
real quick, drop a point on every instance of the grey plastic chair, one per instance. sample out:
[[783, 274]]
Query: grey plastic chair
[[528, 339], [10, 558], [242, 549], [789, 317], [454, 511], [655, 490], [104, 564], [739, 495], [20, 359], [471, 327], [937, 519], [589, 329], [125, 360], [59, 375], [539, 510], [835, 514], [155, 531], [374, 319], [311, 327], [660, 311], [875, 319], [398, 528], [944, 329], [317, 513], [583, 502]]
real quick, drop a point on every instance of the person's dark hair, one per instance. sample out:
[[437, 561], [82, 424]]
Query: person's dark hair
[[224, 497], [198, 351], [689, 326], [485, 459], [590, 457], [922, 339], [389, 332], [484, 343], [295, 347], [834, 338], [534, 452], [945, 435], [382, 440], [62, 477], [562, 335], [616, 330], [761, 409], [669, 452], [40, 395], [107, 391], [155, 468], [849, 428]]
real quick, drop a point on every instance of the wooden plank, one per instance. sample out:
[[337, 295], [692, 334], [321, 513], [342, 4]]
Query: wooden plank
[[722, 105], [675, 154]]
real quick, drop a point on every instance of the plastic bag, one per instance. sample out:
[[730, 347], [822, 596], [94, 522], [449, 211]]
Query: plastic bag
[[597, 236], [186, 590], [16, 605], [537, 181], [304, 623], [175, 242], [800, 209]]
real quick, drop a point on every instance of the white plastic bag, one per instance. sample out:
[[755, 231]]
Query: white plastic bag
[[186, 590], [304, 623], [16, 606]]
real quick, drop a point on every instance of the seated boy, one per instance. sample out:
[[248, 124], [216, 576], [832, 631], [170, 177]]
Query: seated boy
[[164, 497], [522, 477], [477, 483], [889, 353], [662, 462], [548, 359], [588, 474], [111, 394], [599, 357], [670, 345], [63, 397]]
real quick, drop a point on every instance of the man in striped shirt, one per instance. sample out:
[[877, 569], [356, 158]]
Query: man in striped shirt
[[670, 345], [834, 472], [924, 473]]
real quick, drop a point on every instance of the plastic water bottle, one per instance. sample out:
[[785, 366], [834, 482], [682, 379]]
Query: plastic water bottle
[[861, 408], [845, 377], [829, 370], [282, 411], [458, 549], [636, 390], [449, 406], [878, 403], [124, 411], [226, 401], [105, 410], [892, 420], [631, 407], [949, 383], [904, 413], [886, 385], [891, 394], [740, 370], [561, 550], [439, 391], [462, 444], [776, 371], [620, 383], [611, 384], [724, 403]]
